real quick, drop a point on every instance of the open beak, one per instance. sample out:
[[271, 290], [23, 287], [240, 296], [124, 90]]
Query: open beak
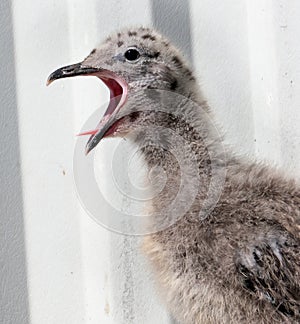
[[118, 95]]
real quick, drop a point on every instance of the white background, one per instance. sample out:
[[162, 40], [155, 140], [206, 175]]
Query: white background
[[56, 264]]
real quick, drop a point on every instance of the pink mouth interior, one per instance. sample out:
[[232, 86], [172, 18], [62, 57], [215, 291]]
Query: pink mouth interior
[[118, 94]]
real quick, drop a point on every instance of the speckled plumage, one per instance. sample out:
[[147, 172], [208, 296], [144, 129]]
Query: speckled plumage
[[241, 263]]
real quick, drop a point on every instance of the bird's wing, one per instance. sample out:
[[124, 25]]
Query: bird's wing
[[269, 269]]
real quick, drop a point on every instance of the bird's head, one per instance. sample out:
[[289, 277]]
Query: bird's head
[[127, 63]]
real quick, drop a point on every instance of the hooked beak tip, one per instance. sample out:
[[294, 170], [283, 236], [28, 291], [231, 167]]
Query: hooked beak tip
[[54, 76], [48, 82]]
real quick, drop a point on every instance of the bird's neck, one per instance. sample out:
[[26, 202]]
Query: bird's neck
[[179, 161]]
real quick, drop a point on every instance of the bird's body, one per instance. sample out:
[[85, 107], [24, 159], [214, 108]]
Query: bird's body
[[240, 262]]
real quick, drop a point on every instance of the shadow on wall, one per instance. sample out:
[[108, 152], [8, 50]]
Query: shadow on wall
[[14, 307], [172, 19]]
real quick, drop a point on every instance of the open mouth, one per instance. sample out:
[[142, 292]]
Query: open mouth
[[118, 89]]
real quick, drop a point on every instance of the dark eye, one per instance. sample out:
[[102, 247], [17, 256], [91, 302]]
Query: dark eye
[[132, 54]]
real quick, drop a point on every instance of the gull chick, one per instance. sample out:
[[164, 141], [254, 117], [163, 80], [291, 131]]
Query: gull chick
[[241, 262]]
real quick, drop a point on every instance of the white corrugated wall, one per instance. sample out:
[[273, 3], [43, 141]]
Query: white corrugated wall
[[56, 264]]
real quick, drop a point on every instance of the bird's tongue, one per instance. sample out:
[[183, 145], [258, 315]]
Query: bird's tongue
[[118, 94]]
